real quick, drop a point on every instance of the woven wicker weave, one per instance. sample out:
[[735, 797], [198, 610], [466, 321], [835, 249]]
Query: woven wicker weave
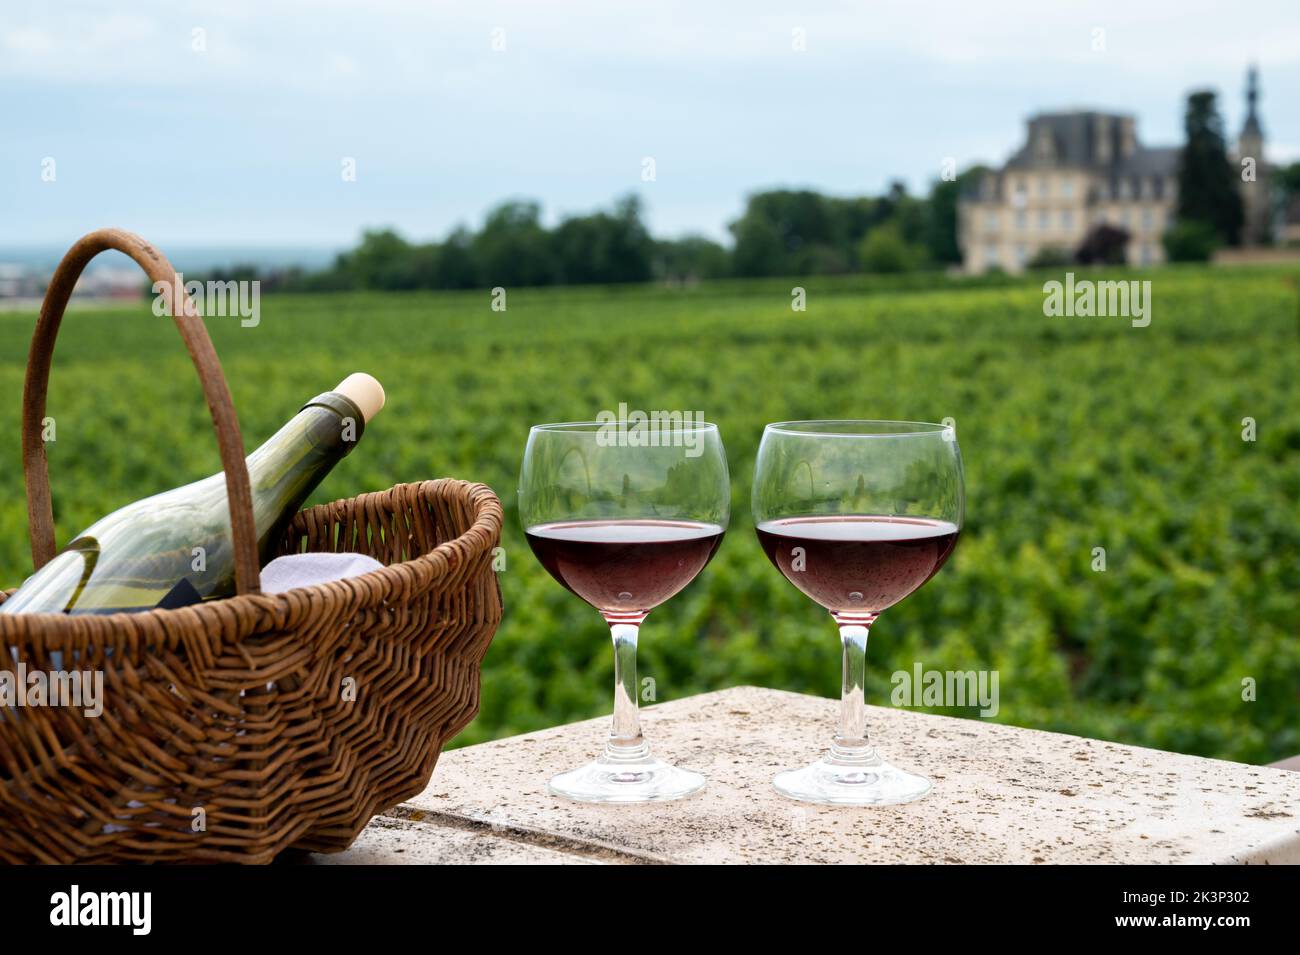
[[237, 728]]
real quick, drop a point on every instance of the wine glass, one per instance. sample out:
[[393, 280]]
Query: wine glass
[[625, 517], [857, 515]]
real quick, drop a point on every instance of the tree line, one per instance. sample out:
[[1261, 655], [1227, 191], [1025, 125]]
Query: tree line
[[782, 232]]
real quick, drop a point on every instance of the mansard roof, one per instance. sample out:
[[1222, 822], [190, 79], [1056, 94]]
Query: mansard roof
[[1093, 140], [1104, 144]]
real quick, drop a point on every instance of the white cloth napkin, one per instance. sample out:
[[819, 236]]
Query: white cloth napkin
[[306, 570]]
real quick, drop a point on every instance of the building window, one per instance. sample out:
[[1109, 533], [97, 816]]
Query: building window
[[991, 257], [991, 221], [1022, 254], [1146, 255], [1022, 221], [1044, 187], [1067, 219], [1148, 219], [1126, 218], [1067, 188], [1042, 220], [1123, 191]]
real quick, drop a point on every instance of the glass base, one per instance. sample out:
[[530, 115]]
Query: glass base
[[861, 781], [619, 779]]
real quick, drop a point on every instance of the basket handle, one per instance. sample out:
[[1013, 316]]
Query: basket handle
[[36, 474]]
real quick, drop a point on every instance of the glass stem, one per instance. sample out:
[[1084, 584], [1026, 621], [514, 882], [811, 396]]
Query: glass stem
[[851, 744], [625, 742]]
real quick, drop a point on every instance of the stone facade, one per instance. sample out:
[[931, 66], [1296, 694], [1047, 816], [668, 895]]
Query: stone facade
[[1078, 170]]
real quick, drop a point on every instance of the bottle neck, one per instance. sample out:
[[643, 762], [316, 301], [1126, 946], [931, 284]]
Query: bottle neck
[[292, 462], [347, 411], [329, 424]]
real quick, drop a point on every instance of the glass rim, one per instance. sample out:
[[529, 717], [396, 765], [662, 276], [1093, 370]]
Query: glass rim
[[591, 427], [859, 428]]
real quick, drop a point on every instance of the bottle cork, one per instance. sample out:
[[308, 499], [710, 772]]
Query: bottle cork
[[366, 393]]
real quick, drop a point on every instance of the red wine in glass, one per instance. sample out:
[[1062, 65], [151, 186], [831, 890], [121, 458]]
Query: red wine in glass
[[857, 564], [624, 567], [625, 517], [826, 503]]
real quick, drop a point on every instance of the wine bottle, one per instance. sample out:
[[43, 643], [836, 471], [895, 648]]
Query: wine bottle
[[175, 548]]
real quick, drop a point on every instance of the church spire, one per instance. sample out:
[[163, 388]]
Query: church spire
[[1251, 126]]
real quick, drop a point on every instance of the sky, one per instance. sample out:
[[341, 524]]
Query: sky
[[232, 121]]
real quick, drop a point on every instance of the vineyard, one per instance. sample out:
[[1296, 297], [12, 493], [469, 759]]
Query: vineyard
[[1130, 564]]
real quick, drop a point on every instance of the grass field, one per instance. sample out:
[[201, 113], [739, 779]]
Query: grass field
[[1077, 433]]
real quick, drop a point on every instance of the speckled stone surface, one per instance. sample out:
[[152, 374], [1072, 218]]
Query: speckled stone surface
[[410, 837], [1001, 794]]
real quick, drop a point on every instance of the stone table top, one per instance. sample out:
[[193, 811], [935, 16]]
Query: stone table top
[[1001, 794]]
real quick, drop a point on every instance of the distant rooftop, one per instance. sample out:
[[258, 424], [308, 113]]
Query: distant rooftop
[[1103, 142]]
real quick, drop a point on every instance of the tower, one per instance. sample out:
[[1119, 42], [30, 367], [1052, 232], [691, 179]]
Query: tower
[[1256, 191]]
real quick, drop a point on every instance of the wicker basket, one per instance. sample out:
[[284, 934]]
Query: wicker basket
[[226, 733]]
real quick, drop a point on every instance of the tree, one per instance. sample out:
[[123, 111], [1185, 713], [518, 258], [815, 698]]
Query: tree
[[690, 258], [1288, 179], [854, 218], [422, 265], [604, 247], [789, 232], [1190, 241], [885, 250], [908, 212], [799, 232], [1104, 244], [939, 233], [1287, 197], [792, 232], [759, 248], [381, 261], [1207, 182], [1050, 257], [513, 248], [453, 265]]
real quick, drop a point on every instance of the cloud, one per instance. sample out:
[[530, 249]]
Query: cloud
[[399, 41], [66, 43], [442, 125], [30, 41]]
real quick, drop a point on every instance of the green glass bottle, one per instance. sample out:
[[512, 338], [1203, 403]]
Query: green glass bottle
[[175, 548]]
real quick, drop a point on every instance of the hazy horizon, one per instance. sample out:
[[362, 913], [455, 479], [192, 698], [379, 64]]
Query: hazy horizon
[[43, 257]]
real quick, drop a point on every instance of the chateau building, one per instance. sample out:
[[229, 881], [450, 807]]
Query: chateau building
[[1078, 170]]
